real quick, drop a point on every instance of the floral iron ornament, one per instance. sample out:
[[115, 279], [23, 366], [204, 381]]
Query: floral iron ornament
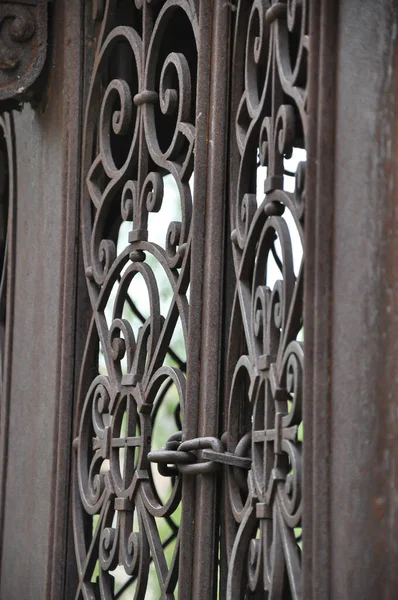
[[264, 511], [23, 49], [139, 137], [141, 130]]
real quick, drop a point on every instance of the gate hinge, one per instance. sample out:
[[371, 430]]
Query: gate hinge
[[197, 456], [23, 49]]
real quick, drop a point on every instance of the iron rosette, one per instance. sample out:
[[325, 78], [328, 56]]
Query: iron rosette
[[23, 49], [268, 160], [139, 135]]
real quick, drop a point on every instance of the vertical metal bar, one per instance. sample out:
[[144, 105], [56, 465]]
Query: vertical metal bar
[[318, 299], [61, 572], [364, 393], [187, 567], [6, 371], [207, 511]]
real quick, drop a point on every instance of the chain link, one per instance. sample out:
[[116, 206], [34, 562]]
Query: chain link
[[198, 456]]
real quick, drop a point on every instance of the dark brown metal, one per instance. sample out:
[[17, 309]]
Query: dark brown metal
[[318, 298], [263, 516], [146, 114], [143, 121], [180, 456], [224, 91], [23, 48], [40, 370], [364, 312], [214, 53]]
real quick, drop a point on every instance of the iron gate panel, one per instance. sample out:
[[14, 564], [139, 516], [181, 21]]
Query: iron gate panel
[[225, 425], [267, 200], [140, 142], [145, 149]]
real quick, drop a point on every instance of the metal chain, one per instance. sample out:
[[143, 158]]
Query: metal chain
[[198, 456]]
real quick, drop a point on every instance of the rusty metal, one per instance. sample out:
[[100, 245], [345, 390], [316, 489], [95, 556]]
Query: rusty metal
[[357, 276], [146, 118], [263, 522], [139, 126], [256, 92], [23, 49], [179, 456], [318, 300], [45, 165], [183, 458]]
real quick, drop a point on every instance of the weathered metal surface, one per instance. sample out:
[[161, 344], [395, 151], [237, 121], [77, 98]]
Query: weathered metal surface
[[32, 401], [7, 272], [318, 298], [35, 479], [265, 345], [364, 326], [140, 125], [144, 125], [7, 235], [159, 100], [350, 491], [23, 48]]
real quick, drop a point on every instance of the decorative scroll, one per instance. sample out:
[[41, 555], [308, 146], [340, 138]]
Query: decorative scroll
[[267, 210], [139, 140], [23, 47]]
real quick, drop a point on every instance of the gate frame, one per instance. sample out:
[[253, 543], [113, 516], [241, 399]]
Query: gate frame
[[337, 398]]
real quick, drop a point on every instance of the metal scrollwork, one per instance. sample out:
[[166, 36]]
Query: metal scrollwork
[[139, 134], [139, 137], [267, 207], [23, 48]]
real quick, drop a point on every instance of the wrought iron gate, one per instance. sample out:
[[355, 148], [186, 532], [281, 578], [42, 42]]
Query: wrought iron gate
[[192, 221], [167, 252]]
